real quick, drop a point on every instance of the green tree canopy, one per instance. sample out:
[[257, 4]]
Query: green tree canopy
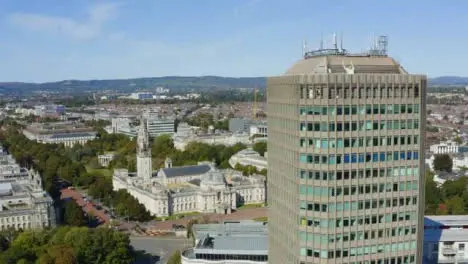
[[69, 245], [443, 162], [73, 214], [260, 147]]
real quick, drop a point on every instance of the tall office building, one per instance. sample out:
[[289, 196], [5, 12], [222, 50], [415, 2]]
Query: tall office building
[[158, 125], [345, 157]]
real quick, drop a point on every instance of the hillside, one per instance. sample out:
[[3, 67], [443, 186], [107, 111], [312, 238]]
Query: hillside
[[175, 83], [127, 85]]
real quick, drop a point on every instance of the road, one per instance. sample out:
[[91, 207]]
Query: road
[[157, 250], [87, 207]]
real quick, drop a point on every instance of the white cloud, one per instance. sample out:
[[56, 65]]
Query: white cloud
[[91, 27]]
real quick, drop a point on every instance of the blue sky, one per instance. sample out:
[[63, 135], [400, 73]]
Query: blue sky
[[51, 40]]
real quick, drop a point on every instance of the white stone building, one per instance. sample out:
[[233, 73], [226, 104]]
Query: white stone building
[[248, 157], [23, 202], [444, 148], [118, 124], [259, 129], [228, 139], [105, 159], [67, 133], [198, 188], [445, 239]]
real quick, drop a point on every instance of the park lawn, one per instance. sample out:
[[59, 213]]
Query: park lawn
[[104, 172], [177, 216], [248, 206]]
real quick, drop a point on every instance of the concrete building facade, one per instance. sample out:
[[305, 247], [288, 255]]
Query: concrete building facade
[[158, 125], [345, 155]]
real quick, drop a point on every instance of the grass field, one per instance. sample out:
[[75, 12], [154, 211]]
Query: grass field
[[105, 172], [261, 219], [248, 206]]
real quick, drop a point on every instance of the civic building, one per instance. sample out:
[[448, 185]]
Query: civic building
[[196, 188], [23, 202]]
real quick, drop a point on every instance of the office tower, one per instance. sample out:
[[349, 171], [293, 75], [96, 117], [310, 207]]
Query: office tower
[[345, 157], [158, 125]]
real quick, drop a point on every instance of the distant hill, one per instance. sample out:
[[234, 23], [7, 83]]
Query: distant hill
[[449, 80], [129, 85], [175, 83]]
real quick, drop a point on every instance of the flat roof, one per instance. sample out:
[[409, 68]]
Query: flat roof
[[446, 220], [241, 245], [5, 188], [245, 237], [232, 228]]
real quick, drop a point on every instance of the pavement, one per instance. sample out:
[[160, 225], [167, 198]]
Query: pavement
[[157, 250], [242, 214]]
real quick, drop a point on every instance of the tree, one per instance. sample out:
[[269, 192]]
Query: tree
[[62, 254], [69, 245], [455, 206], [458, 140], [432, 197], [175, 258], [443, 162], [73, 214], [260, 147]]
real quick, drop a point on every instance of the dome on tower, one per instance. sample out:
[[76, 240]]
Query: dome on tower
[[213, 179]]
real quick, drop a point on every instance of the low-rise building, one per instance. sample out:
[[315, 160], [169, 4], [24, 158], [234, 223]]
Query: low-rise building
[[249, 157], [67, 133], [49, 110], [243, 242], [259, 130], [184, 130], [227, 139], [444, 148], [445, 239], [141, 96], [105, 159], [118, 124]]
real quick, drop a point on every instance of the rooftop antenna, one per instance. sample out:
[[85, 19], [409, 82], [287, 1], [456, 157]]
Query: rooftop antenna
[[371, 42], [341, 42], [335, 44], [304, 47], [321, 41], [383, 44]]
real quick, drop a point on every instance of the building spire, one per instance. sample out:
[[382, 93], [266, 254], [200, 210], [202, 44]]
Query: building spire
[[143, 138], [144, 164]]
